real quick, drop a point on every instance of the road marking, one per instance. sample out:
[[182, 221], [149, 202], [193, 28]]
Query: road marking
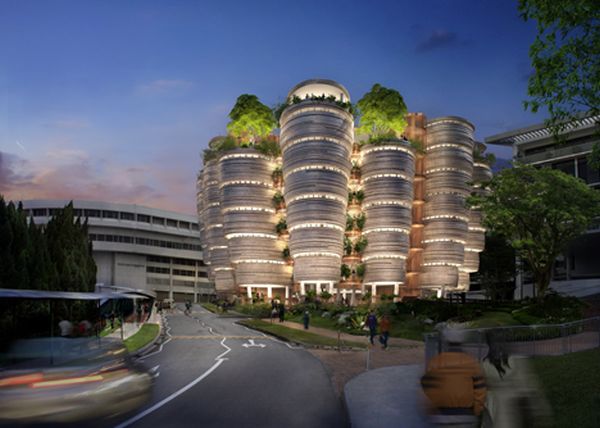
[[154, 371], [167, 332], [219, 361], [220, 357], [251, 344]]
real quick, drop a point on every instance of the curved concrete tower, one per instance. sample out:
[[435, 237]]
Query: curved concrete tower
[[448, 173], [388, 171], [246, 194], [211, 223], [316, 142]]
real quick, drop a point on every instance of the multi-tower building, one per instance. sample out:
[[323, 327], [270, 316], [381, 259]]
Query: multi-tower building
[[339, 214]]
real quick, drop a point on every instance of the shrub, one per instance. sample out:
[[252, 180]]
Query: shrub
[[257, 310]]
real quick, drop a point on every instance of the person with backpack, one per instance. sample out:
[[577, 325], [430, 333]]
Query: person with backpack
[[371, 323]]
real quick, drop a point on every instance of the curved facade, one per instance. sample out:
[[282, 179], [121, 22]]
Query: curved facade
[[246, 194], [316, 142], [475, 243], [387, 173], [211, 224], [448, 173], [139, 247], [341, 215]]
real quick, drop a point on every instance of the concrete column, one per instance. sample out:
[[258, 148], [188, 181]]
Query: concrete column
[[373, 292], [269, 291], [302, 289], [287, 293], [249, 291], [171, 279]]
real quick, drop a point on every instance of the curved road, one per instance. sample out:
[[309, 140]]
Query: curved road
[[215, 373]]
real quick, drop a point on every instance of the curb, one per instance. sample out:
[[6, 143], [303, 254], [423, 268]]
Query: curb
[[305, 345], [150, 344]]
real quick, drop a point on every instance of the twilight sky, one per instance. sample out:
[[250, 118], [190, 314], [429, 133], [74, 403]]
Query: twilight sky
[[115, 100]]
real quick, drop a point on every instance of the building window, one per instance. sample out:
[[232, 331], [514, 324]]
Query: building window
[[158, 220], [92, 213], [195, 227], [127, 216], [158, 259], [184, 225], [171, 223], [55, 211], [40, 212], [110, 214], [184, 272], [202, 274], [154, 269], [568, 166]]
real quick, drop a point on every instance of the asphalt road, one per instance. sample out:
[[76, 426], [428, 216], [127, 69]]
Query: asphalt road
[[212, 372]]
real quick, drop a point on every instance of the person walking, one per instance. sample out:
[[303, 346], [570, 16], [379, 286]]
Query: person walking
[[281, 312], [371, 322], [455, 385], [306, 319], [384, 330]]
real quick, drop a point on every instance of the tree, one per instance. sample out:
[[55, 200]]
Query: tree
[[251, 120], [539, 211], [382, 112], [566, 58], [497, 268]]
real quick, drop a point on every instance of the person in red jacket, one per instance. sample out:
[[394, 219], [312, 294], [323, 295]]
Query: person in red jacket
[[384, 329]]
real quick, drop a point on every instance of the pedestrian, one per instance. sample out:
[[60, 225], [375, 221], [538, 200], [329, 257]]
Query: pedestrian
[[371, 323], [384, 330], [66, 328], [281, 312], [306, 319], [454, 384], [513, 398]]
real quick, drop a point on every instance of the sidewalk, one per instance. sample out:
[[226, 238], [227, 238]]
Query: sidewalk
[[386, 397], [131, 328]]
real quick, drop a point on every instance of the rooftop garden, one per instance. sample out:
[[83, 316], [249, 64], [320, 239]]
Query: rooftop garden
[[382, 117], [251, 125], [278, 109]]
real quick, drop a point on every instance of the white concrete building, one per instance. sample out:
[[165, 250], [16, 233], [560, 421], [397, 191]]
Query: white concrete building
[[139, 247], [577, 272]]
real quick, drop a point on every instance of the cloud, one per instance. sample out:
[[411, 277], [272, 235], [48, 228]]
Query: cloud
[[72, 174], [163, 86], [9, 178], [439, 39]]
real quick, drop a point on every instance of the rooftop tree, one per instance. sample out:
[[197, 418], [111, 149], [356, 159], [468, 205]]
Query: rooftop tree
[[251, 120], [382, 112], [539, 211]]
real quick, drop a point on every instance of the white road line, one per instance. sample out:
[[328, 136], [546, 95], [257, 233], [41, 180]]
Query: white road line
[[167, 332], [224, 353], [170, 397], [274, 339], [219, 361]]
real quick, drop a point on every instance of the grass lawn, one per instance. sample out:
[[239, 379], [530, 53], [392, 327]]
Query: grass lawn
[[493, 319], [211, 307], [319, 321], [145, 335], [107, 330], [297, 336], [572, 386]]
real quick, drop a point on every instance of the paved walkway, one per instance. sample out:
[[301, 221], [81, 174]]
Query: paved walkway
[[346, 337], [131, 328], [386, 397]]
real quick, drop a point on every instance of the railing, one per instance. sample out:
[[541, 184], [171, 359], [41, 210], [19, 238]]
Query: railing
[[550, 339]]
